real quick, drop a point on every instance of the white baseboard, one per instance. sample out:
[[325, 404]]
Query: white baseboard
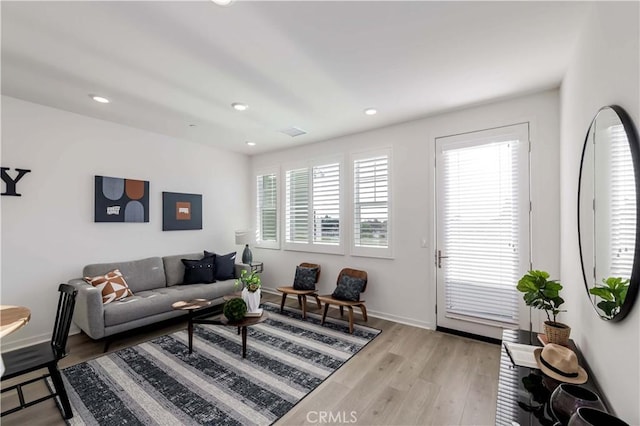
[[20, 343], [376, 314], [27, 341]]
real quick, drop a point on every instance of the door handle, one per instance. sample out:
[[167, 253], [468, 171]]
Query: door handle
[[440, 257]]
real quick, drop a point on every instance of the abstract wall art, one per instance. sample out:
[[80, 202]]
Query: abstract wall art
[[121, 200], [181, 211]]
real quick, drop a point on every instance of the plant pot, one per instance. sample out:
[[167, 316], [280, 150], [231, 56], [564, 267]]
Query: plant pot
[[252, 299], [557, 332]]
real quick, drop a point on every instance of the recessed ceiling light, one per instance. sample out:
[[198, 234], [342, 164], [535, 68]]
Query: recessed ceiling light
[[100, 99], [223, 2], [251, 143], [239, 107], [370, 111]]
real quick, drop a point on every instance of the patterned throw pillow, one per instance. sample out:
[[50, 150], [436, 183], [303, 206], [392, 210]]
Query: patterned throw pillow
[[305, 278], [199, 271], [349, 288], [112, 285]]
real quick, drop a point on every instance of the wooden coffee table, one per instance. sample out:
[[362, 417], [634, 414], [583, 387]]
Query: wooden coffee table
[[194, 307], [242, 327], [200, 314]]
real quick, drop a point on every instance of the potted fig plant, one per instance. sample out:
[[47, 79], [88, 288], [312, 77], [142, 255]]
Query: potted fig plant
[[542, 293], [612, 293]]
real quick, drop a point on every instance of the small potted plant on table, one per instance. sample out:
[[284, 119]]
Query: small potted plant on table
[[250, 282], [542, 293]]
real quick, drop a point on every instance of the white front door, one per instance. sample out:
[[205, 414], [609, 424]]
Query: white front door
[[482, 243]]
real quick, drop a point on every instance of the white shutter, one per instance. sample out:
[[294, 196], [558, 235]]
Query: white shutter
[[371, 202], [326, 204], [266, 215], [481, 231], [297, 206], [622, 206]]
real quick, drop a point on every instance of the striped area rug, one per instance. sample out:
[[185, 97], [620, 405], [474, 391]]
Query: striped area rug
[[158, 382]]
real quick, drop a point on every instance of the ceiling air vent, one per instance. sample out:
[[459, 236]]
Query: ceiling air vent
[[293, 132]]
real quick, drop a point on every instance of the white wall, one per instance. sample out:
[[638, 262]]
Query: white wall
[[403, 289], [604, 70], [48, 234]]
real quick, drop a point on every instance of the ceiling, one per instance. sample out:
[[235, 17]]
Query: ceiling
[[175, 67]]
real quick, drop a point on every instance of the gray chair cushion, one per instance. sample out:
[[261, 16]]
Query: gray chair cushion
[[141, 275], [174, 268]]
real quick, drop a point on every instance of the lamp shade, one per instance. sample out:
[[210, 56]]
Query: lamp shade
[[243, 237]]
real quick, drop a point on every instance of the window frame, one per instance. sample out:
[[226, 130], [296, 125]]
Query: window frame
[[259, 243], [309, 245], [362, 251]]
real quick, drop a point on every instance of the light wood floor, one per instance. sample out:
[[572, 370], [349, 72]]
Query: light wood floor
[[406, 376]]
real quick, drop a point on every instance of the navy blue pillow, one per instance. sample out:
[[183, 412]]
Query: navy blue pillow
[[225, 265], [349, 288], [305, 278], [199, 271]]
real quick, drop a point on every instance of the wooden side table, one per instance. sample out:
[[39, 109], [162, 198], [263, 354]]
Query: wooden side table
[[257, 267]]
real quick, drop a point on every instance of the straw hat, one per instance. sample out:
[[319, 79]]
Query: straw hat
[[560, 363]]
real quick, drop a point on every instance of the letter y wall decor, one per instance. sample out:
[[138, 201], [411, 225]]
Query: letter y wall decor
[[121, 200]]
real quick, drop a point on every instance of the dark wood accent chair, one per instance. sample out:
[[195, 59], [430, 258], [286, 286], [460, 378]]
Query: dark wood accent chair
[[44, 355], [302, 294], [330, 300]]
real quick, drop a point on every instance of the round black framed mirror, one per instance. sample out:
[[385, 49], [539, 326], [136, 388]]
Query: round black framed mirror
[[608, 212]]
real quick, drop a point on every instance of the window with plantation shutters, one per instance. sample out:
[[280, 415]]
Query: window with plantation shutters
[[371, 204], [326, 204], [297, 206], [267, 210], [313, 210], [483, 224]]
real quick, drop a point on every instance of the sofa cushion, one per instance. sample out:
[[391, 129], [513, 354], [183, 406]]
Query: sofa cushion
[[305, 278], [199, 271], [112, 285], [174, 268], [225, 265], [349, 288], [140, 275], [147, 303]]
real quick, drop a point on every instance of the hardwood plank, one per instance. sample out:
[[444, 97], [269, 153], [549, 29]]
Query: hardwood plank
[[483, 391]]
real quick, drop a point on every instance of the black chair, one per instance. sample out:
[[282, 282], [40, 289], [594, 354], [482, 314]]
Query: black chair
[[44, 355]]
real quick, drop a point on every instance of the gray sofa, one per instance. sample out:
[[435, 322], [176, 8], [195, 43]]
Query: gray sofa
[[155, 283]]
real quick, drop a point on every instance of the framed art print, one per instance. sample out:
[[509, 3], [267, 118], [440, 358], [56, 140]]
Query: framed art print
[[181, 211], [121, 200]]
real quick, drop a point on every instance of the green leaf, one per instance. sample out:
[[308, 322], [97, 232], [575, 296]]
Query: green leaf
[[607, 308], [601, 292]]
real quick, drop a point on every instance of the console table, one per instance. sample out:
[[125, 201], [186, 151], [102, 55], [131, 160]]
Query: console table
[[523, 393]]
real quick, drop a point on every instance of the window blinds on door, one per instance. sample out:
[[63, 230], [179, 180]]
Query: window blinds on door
[[622, 206], [481, 231]]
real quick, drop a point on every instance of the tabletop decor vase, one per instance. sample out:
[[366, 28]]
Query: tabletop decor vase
[[567, 398]]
